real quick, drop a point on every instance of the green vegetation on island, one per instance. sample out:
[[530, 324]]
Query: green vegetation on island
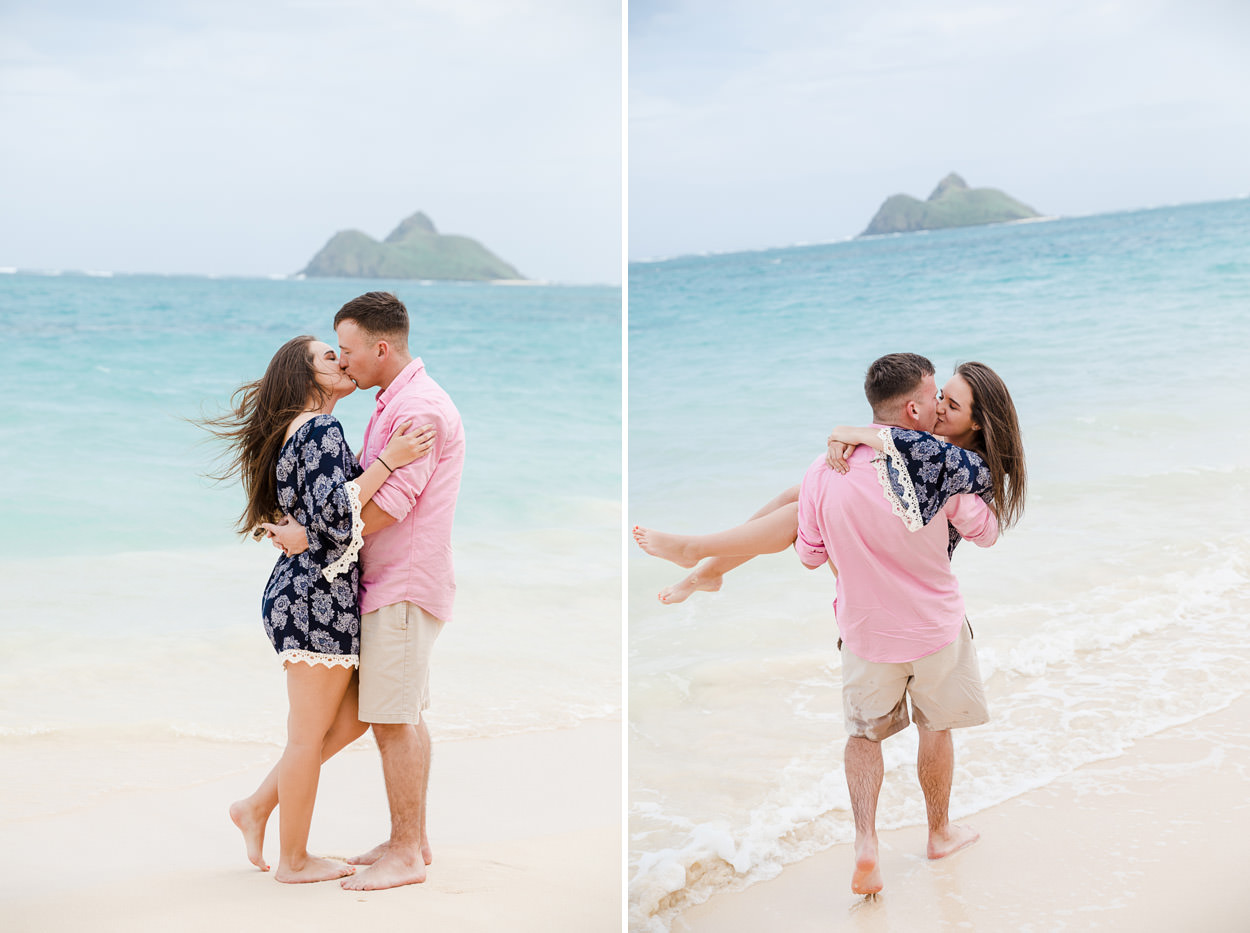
[[952, 204], [414, 250]]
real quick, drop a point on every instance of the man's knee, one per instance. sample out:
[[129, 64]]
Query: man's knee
[[393, 733]]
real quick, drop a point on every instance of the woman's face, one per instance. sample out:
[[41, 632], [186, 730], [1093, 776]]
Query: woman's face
[[329, 376], [955, 412]]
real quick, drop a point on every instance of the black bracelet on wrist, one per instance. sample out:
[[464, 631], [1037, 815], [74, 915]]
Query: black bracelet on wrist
[[383, 462]]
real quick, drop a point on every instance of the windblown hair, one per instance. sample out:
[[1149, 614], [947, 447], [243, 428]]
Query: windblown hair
[[379, 314], [891, 378], [998, 442], [255, 428]]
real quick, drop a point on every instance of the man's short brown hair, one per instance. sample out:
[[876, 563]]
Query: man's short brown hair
[[894, 376], [380, 314]]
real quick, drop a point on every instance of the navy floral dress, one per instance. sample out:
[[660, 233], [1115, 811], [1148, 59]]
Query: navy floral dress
[[311, 604], [919, 473]]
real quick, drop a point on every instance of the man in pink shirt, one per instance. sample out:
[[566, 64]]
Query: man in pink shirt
[[407, 584], [901, 618]]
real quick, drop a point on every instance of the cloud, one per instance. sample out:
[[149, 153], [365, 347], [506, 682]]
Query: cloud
[[292, 120]]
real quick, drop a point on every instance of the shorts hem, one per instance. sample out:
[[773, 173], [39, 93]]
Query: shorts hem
[[895, 730], [391, 719], [961, 724]]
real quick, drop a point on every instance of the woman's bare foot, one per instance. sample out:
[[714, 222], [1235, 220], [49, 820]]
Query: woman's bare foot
[[427, 855], [867, 876], [252, 825], [676, 548], [393, 869], [951, 840], [313, 869], [699, 580]]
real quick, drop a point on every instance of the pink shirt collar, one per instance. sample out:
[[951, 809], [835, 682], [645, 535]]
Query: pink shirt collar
[[406, 375]]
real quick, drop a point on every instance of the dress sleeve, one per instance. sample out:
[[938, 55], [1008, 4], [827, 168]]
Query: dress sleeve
[[920, 473], [331, 498]]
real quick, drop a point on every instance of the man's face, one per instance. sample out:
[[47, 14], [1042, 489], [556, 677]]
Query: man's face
[[926, 405], [358, 355]]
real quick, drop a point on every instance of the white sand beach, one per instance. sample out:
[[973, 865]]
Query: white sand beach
[[1157, 838], [526, 831]]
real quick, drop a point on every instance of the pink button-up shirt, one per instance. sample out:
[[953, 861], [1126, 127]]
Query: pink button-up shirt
[[897, 599], [411, 559]]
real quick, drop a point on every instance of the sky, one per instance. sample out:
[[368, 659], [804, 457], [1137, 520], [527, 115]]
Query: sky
[[235, 137], [754, 125]]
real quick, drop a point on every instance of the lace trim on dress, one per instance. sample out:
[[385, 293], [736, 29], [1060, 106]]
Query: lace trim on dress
[[358, 538], [900, 493], [312, 657]]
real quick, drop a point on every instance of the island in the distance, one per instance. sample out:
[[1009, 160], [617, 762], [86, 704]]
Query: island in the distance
[[414, 250], [952, 204]]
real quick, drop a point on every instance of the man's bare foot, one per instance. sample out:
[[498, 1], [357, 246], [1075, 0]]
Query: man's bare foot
[[867, 876], [392, 870], [313, 869], [698, 580], [369, 857], [252, 826], [670, 547], [427, 854], [951, 840]]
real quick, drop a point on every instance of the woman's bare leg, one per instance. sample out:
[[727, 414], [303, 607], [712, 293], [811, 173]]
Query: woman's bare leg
[[772, 528], [764, 535], [251, 814], [315, 694]]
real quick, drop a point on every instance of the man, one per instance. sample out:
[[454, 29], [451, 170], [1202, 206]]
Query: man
[[407, 583], [900, 616]]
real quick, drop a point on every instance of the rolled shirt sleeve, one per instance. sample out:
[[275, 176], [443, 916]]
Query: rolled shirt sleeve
[[399, 493], [809, 544], [972, 518]]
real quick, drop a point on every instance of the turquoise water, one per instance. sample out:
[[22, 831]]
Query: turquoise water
[[103, 371], [1119, 606], [751, 356], [132, 617]]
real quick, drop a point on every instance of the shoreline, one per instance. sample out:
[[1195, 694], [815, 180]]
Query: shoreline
[[525, 829], [1151, 839]]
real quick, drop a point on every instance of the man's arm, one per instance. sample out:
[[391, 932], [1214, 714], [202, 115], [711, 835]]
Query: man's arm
[[973, 519], [292, 538], [809, 544], [376, 518]]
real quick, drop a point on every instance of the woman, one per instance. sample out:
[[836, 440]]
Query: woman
[[289, 451], [975, 412]]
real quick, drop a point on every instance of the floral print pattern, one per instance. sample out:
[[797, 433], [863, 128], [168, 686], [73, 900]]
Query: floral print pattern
[[312, 614], [919, 473]]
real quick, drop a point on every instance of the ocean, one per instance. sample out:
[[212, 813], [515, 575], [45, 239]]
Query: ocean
[[134, 653], [1118, 607]]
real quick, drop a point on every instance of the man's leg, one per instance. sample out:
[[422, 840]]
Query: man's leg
[[865, 769], [405, 751], [935, 766]]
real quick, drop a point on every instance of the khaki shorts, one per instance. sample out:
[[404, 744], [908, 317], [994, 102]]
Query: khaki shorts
[[944, 687], [395, 646]]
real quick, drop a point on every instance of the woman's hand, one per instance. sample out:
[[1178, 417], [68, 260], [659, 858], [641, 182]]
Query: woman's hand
[[842, 440], [837, 454], [287, 536], [403, 448]]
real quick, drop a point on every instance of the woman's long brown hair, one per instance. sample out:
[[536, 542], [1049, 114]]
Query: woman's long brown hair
[[255, 427], [1002, 445]]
